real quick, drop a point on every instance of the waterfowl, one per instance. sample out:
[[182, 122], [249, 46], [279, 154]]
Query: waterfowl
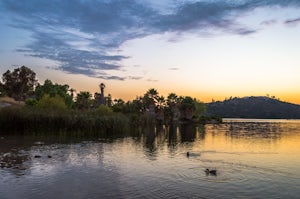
[[213, 171], [188, 154], [49, 156], [37, 156]]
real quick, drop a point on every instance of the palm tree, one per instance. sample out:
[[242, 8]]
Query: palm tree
[[172, 109], [72, 91], [83, 100], [102, 99]]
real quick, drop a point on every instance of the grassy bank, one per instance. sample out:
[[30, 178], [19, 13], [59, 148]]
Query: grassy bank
[[27, 120]]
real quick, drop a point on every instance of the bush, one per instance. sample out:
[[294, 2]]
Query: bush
[[31, 102], [103, 109], [56, 102]]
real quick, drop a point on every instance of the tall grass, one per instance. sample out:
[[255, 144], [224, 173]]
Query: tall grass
[[27, 120]]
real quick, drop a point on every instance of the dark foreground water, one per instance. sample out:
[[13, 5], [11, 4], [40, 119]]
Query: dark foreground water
[[253, 159]]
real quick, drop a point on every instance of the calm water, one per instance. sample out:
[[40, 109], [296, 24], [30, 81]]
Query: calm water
[[253, 159]]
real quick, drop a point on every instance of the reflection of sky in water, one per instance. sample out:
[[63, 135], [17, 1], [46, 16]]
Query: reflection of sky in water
[[252, 160], [65, 157]]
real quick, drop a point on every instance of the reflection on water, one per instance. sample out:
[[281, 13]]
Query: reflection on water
[[253, 159]]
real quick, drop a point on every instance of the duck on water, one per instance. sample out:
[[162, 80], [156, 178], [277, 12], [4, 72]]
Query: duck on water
[[212, 171]]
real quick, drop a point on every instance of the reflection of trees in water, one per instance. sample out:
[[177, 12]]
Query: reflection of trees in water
[[187, 132], [156, 137], [150, 136], [264, 130], [201, 132], [172, 136], [191, 132]]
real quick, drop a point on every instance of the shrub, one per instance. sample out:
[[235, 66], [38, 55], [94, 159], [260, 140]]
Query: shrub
[[56, 102]]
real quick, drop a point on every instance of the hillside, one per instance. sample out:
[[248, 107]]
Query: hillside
[[254, 107]]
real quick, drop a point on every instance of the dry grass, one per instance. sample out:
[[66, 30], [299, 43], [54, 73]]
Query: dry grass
[[8, 101]]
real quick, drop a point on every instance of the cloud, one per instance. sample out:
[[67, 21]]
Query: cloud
[[152, 80], [111, 77], [134, 77], [268, 22], [84, 36], [292, 21], [174, 68]]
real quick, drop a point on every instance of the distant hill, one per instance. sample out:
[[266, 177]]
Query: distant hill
[[254, 107]]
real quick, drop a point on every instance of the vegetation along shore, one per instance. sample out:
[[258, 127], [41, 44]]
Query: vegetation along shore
[[28, 106]]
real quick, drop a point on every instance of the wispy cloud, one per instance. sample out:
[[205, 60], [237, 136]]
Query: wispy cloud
[[81, 35], [152, 80], [292, 21], [174, 68], [134, 77], [269, 22], [107, 77]]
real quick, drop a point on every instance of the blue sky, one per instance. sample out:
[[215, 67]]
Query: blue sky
[[206, 49]]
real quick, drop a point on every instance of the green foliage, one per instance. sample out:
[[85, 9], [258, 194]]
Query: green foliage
[[28, 120], [55, 90], [118, 105], [84, 100], [108, 100], [31, 102], [103, 109], [20, 83], [200, 108], [47, 102]]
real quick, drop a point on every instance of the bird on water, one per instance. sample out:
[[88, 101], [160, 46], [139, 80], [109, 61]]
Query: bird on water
[[213, 171]]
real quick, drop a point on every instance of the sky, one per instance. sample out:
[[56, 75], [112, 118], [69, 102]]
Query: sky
[[207, 49]]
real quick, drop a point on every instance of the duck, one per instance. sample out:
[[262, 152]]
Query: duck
[[212, 172], [187, 154]]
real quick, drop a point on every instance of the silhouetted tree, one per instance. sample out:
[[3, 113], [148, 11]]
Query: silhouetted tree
[[20, 83], [187, 108], [2, 92], [150, 97], [172, 107], [102, 98], [83, 100], [118, 105], [108, 100]]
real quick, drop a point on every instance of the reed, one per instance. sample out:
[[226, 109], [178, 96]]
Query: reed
[[27, 120]]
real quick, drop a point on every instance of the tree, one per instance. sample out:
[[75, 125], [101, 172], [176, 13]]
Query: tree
[[150, 97], [172, 107], [2, 92], [118, 105], [20, 83], [108, 100], [187, 108], [55, 90], [83, 100], [200, 108]]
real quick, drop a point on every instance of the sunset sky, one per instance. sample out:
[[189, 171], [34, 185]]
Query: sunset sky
[[208, 49]]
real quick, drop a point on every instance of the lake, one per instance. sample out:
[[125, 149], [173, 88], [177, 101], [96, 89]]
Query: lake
[[253, 159]]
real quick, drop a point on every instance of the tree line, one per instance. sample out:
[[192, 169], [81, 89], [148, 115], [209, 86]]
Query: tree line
[[22, 85]]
